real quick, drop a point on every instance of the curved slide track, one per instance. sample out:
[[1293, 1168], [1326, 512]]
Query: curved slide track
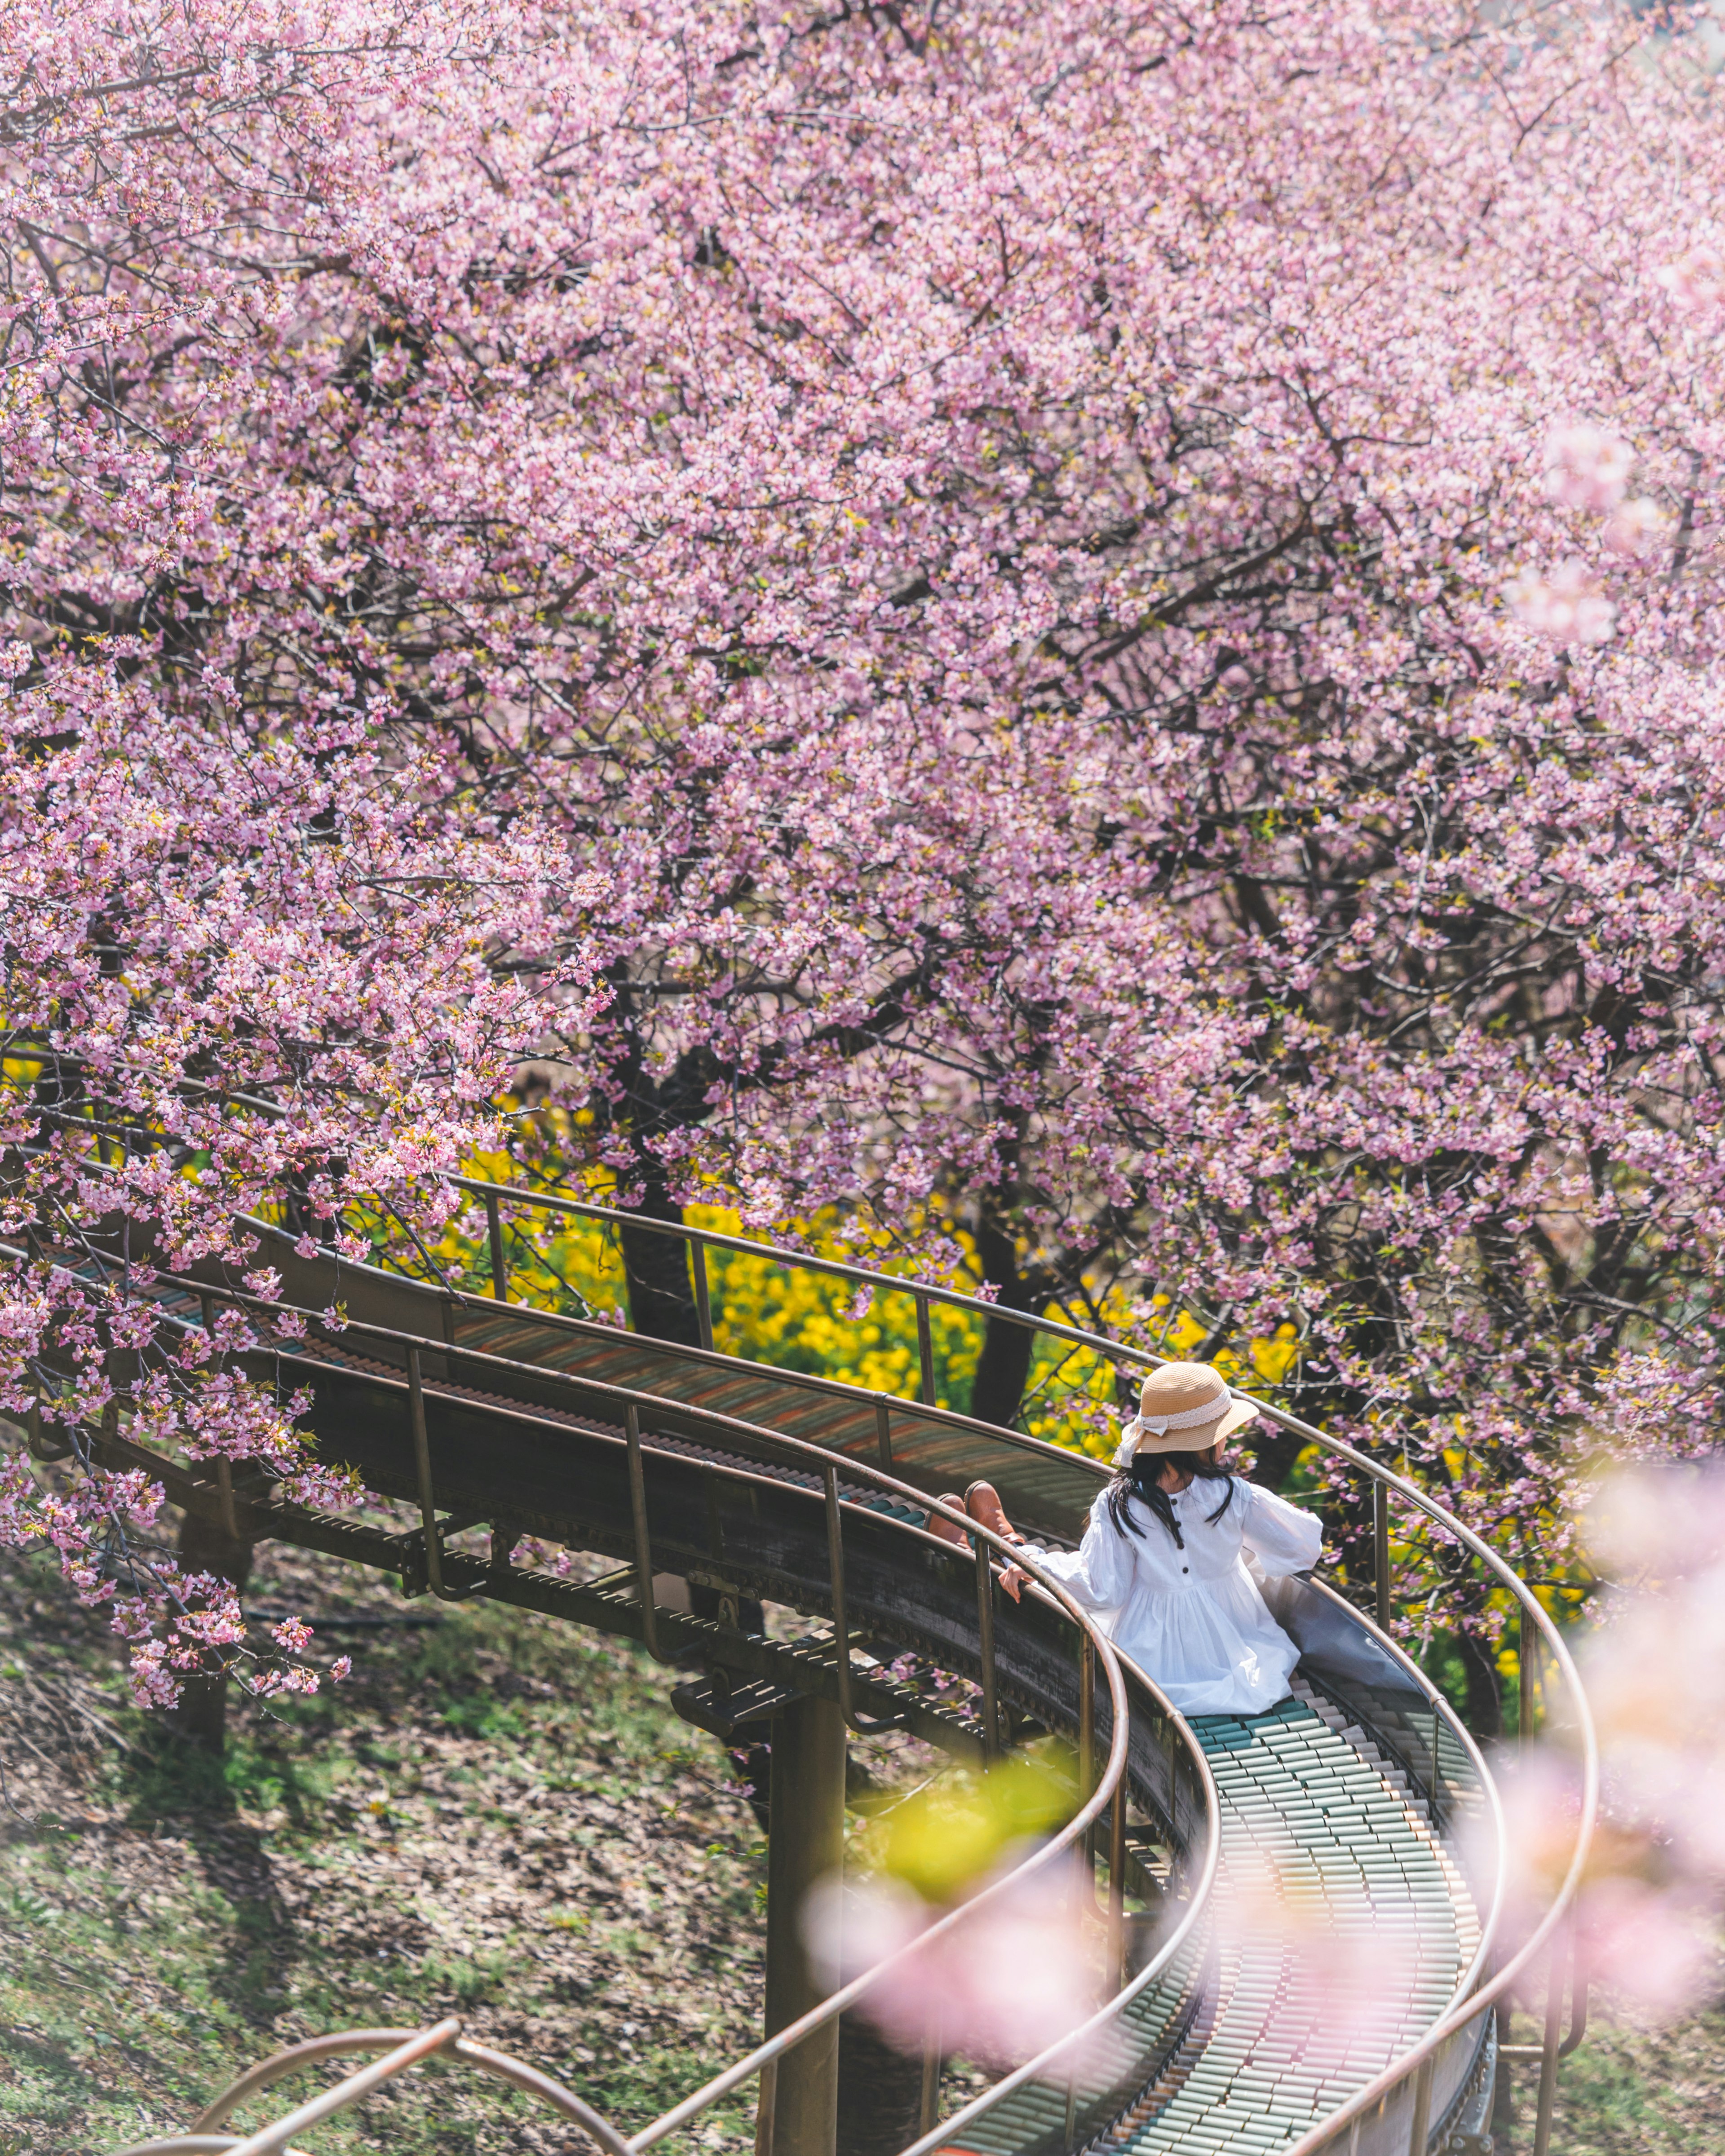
[[1237, 1876]]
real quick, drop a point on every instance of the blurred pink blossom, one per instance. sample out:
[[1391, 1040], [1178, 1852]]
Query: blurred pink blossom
[[1359, 1976], [1570, 606], [1654, 1671], [1653, 1940], [1585, 467], [1639, 527], [1001, 1986], [1695, 280]]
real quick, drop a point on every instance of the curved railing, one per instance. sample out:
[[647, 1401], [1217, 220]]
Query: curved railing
[[294, 1356], [1551, 1936], [1402, 2091]]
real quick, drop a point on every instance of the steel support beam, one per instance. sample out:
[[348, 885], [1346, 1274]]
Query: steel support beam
[[805, 1843]]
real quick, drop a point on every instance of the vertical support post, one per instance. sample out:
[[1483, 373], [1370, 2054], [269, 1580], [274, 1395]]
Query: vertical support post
[[805, 1842], [985, 1645], [1380, 1551], [644, 1541], [500, 1261], [836, 1567], [1503, 2091], [1086, 1717], [766, 2105], [1083, 1855], [929, 2104], [1578, 1982], [1526, 1673], [422, 1469], [883, 1436], [1420, 2131], [925, 1351], [1553, 2037], [703, 1300], [1116, 1886], [1071, 2109]]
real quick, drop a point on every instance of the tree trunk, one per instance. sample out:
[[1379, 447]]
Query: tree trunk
[[998, 1389], [661, 1297], [1485, 1700], [205, 1545]]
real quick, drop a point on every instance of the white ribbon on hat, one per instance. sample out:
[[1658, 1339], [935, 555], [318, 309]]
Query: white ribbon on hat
[[1160, 1425]]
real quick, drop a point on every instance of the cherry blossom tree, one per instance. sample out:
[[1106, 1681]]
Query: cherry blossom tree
[[231, 966], [247, 949], [1119, 600]]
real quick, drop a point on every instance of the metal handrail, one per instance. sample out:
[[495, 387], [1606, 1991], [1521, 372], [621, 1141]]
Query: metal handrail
[[1110, 1789], [1536, 1625], [1384, 1482], [406, 2048], [273, 2140]]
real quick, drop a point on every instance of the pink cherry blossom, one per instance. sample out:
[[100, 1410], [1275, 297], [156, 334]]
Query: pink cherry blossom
[[1586, 467], [1639, 526], [1651, 1663], [953, 563], [999, 1987], [1695, 279], [1569, 605]]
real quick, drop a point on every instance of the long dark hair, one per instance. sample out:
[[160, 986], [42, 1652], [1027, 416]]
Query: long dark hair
[[1142, 1480]]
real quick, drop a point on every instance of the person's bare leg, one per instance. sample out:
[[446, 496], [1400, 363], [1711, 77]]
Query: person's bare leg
[[982, 1501], [948, 1530]]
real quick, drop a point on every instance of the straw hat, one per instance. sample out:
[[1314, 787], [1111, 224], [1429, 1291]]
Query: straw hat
[[1184, 1407]]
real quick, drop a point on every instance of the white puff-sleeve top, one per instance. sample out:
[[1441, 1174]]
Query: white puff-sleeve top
[[1192, 1618]]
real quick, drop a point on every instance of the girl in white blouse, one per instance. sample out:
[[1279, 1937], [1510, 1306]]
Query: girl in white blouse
[[1164, 1553]]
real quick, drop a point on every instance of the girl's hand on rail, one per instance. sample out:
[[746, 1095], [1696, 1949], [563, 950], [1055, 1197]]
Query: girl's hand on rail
[[1012, 1578]]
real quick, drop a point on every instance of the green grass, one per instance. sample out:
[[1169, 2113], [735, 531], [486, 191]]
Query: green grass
[[498, 1818], [1632, 2092]]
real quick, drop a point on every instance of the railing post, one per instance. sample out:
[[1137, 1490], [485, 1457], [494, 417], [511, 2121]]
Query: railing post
[[1116, 1886], [1380, 1550], [1526, 1673], [985, 1643], [1579, 1981], [929, 2102], [703, 1302], [643, 1543], [422, 1469], [883, 1434], [766, 2105], [835, 1565], [1087, 1717], [925, 1351], [1420, 2131], [1549, 2048], [500, 1262]]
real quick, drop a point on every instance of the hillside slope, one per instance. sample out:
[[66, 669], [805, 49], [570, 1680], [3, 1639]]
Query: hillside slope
[[495, 1816]]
